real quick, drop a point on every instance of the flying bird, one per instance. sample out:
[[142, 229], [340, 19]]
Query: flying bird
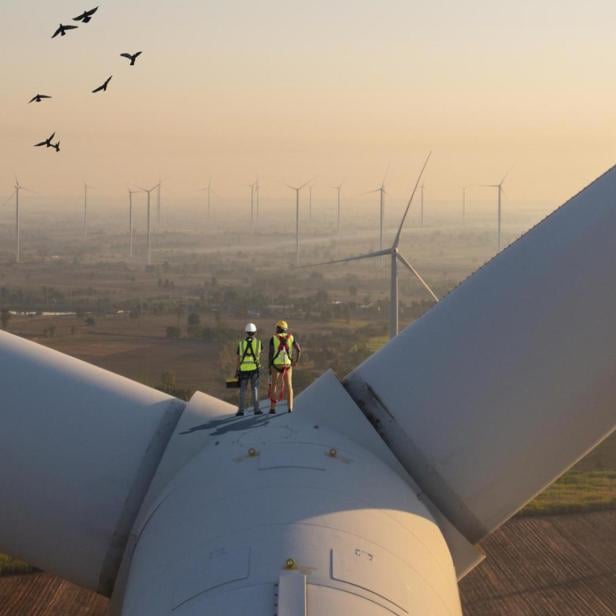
[[102, 88], [38, 98], [86, 16], [56, 146], [47, 142], [62, 30], [131, 57]]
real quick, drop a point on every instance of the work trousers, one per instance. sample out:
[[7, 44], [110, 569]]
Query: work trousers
[[252, 379]]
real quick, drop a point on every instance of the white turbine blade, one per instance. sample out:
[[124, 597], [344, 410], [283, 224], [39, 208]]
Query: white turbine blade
[[397, 240], [369, 255], [8, 198], [79, 410], [490, 397], [306, 183], [425, 285], [386, 174], [506, 176]]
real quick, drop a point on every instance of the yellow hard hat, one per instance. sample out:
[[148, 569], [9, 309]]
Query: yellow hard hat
[[282, 325]]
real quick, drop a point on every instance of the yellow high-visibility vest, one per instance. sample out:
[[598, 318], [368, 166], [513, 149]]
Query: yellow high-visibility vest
[[250, 354], [282, 356]]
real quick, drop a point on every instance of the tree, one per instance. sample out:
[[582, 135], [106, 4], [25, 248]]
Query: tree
[[172, 331], [194, 319], [5, 317]]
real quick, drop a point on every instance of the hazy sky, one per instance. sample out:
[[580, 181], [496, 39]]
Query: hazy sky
[[288, 89]]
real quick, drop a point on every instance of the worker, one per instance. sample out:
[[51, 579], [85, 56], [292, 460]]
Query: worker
[[248, 367], [284, 354]]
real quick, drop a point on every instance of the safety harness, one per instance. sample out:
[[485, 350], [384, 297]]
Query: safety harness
[[283, 347], [249, 351]]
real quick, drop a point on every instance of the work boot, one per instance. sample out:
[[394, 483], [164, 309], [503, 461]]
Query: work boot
[[239, 414], [290, 411], [272, 411], [258, 412]]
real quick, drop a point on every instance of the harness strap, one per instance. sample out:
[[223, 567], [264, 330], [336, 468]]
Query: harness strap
[[284, 344], [248, 349]]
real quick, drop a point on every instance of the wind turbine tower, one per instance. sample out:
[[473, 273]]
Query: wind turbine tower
[[208, 188], [131, 230], [382, 192], [158, 202], [297, 189], [18, 189], [86, 188], [339, 190], [209, 199], [252, 205], [396, 256], [310, 202], [257, 199], [149, 191], [499, 193]]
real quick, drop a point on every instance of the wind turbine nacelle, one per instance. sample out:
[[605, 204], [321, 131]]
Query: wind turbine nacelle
[[284, 515]]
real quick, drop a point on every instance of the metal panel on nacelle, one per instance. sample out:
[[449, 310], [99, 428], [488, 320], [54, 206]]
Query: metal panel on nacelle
[[79, 448], [287, 490], [511, 378]]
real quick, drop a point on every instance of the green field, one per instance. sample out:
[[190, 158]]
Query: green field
[[10, 566], [576, 492]]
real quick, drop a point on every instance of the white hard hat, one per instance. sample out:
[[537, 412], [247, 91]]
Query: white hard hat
[[250, 328]]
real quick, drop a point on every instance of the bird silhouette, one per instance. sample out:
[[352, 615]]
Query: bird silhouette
[[62, 30], [47, 141], [102, 88], [86, 16], [38, 98], [56, 146], [131, 57]]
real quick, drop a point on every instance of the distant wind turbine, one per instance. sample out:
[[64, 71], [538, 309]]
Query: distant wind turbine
[[209, 198], [310, 202], [297, 189], [464, 189], [252, 205], [257, 198], [18, 189], [158, 202], [149, 191], [395, 256], [382, 192], [499, 192], [86, 188], [131, 228], [339, 190]]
